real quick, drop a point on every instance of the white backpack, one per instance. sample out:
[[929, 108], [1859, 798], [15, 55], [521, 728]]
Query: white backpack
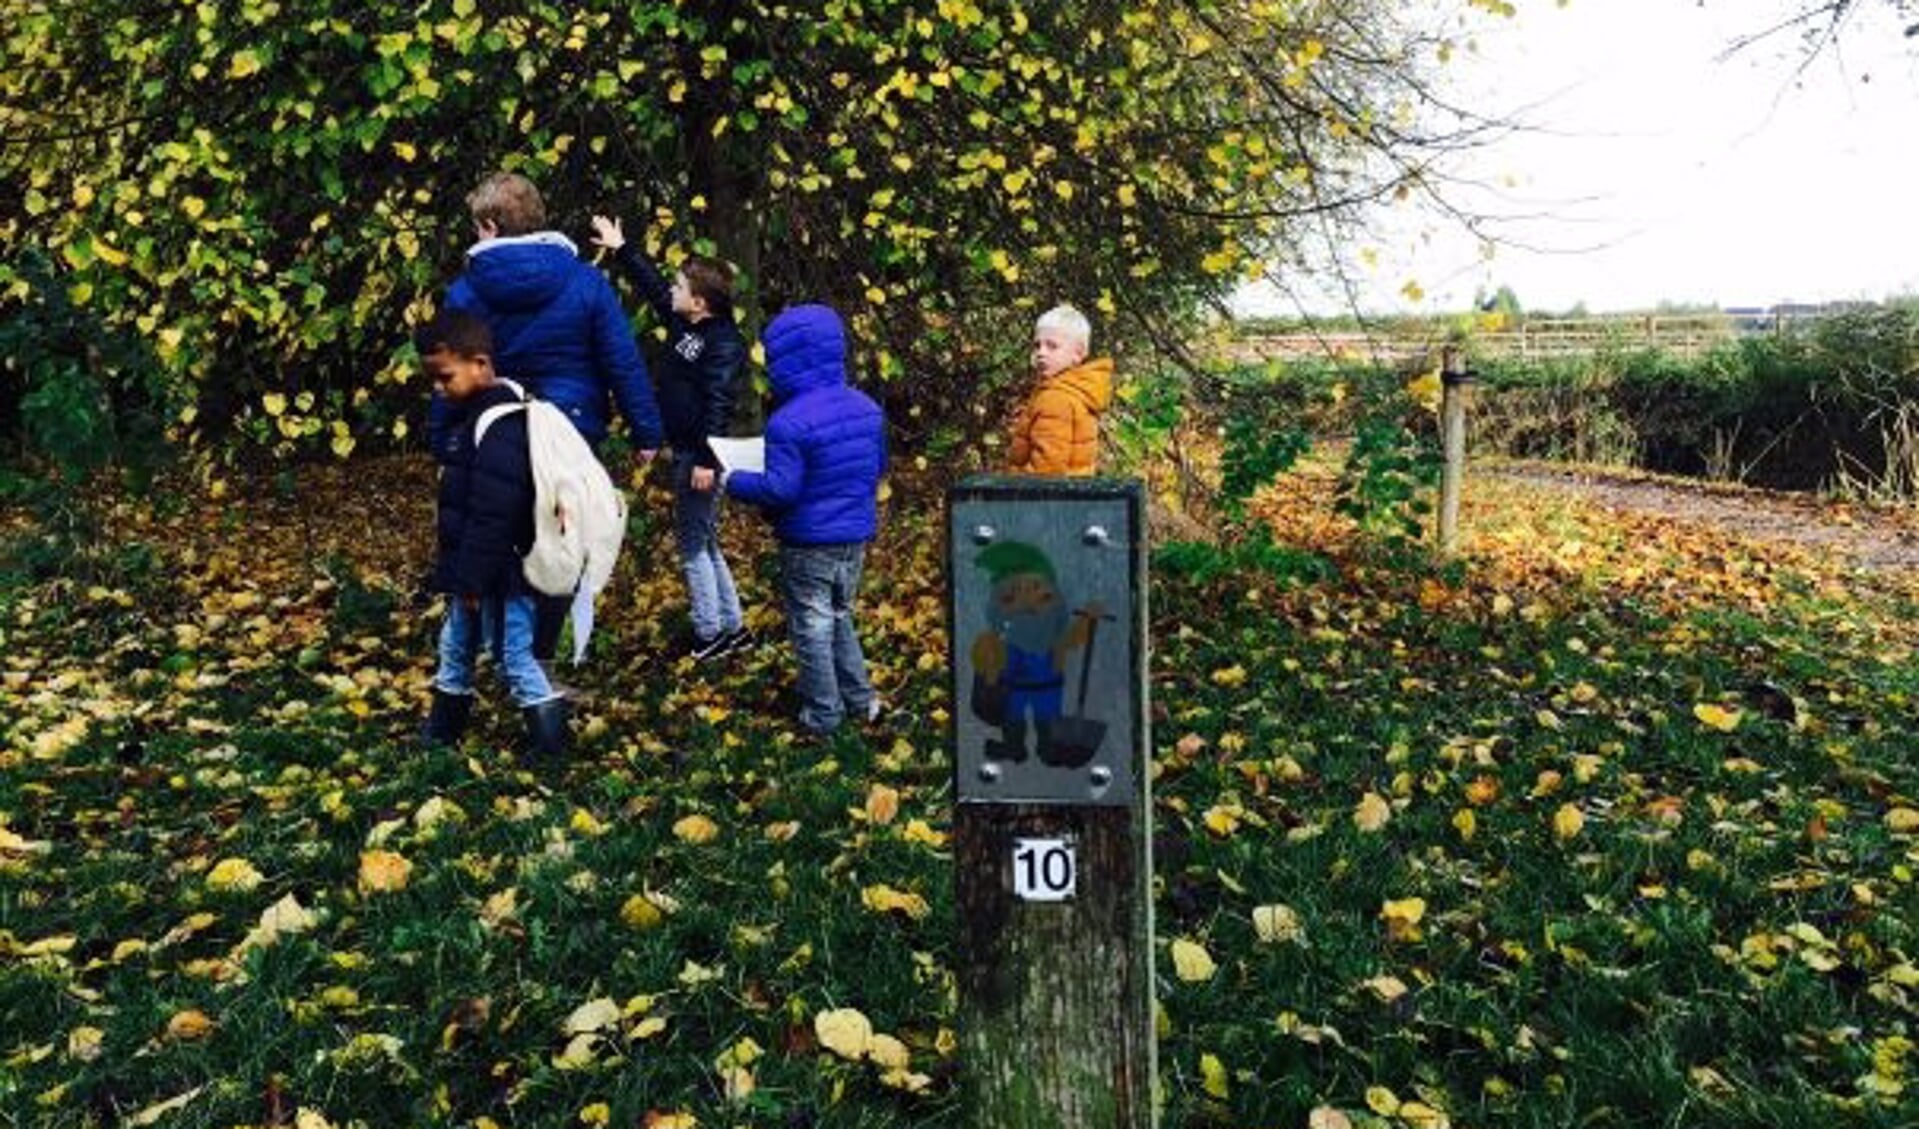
[[579, 516]]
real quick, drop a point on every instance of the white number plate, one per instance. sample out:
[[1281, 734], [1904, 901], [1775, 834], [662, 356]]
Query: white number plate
[[1044, 870]]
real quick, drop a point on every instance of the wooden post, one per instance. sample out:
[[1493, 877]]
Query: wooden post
[[1052, 841], [1454, 381]]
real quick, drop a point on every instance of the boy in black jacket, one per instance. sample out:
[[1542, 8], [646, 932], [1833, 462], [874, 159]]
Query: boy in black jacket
[[484, 525], [696, 377]]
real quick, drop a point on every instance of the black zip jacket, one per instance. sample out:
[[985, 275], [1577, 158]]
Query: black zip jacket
[[698, 375], [485, 518]]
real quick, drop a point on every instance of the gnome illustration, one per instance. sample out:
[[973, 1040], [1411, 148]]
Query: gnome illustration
[[1019, 661]]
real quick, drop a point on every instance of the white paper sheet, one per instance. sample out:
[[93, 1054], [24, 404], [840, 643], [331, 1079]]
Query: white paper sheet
[[739, 454]]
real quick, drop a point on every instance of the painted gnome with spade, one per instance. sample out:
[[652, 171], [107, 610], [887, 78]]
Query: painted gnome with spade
[[1019, 661]]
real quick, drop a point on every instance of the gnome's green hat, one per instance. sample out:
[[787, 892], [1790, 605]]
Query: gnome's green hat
[[1015, 558]]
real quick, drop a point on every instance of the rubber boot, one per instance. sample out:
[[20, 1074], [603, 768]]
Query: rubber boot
[[546, 732], [446, 719]]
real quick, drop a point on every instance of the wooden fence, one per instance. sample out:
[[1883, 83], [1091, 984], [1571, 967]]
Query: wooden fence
[[1686, 335]]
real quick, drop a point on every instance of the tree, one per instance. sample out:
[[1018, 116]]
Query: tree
[[1819, 25], [270, 192]]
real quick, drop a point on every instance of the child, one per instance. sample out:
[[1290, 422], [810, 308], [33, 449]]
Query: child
[[1057, 430], [485, 525], [696, 388], [825, 452]]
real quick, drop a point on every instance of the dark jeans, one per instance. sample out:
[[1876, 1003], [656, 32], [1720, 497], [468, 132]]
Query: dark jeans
[[817, 585]]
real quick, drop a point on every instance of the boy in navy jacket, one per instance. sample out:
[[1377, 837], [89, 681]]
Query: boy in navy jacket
[[697, 375], [484, 524], [825, 453]]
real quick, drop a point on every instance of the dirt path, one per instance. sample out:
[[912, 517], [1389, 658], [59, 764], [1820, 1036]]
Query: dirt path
[[1875, 539]]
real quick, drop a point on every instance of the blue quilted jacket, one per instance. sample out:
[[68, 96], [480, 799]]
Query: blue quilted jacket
[[558, 328], [825, 442]]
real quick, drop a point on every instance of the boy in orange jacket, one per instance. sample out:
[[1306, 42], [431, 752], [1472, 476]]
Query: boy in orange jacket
[[1057, 430]]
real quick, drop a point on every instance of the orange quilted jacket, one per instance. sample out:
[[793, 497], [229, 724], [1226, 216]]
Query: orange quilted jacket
[[1057, 431]]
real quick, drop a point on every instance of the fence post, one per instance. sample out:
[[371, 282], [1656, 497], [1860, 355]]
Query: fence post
[[1454, 381], [1046, 594]]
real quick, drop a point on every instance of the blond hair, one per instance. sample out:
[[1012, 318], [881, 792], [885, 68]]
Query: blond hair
[[1069, 321], [509, 202]]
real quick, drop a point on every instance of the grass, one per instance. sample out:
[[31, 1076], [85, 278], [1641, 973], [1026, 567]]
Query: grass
[[1726, 938]]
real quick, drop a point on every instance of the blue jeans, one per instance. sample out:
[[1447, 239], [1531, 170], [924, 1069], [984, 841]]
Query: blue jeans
[[817, 585], [502, 626], [713, 603]]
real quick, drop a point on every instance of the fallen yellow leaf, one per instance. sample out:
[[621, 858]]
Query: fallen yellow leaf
[[383, 872], [1276, 923], [696, 829], [189, 1025], [1716, 717], [1382, 1101], [234, 875], [1191, 962], [593, 1015], [888, 1053], [1372, 812], [84, 1043], [1212, 1076], [882, 804], [1402, 918], [640, 913], [882, 899], [844, 1031]]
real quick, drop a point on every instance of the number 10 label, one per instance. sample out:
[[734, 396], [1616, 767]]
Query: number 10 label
[[1044, 870]]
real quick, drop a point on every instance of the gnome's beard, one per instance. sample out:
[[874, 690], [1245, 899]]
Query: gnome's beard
[[1034, 632]]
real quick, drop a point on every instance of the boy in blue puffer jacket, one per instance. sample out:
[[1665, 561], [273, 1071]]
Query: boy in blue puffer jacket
[[484, 527], [825, 453], [558, 325]]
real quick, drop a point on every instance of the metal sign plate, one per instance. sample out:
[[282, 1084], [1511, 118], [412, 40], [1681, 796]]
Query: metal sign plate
[[1045, 586]]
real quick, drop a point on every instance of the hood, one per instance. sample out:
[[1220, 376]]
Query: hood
[[521, 272], [1091, 381], [805, 349]]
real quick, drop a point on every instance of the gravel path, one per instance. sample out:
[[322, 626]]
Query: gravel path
[[1877, 539]]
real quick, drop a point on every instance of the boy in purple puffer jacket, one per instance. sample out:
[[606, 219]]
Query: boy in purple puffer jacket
[[825, 453]]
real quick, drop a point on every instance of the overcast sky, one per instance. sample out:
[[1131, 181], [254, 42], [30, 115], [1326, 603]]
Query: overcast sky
[[1667, 174]]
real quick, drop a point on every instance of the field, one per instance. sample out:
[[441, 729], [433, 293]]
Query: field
[[1614, 822]]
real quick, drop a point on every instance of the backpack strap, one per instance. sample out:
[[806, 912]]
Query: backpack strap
[[493, 413]]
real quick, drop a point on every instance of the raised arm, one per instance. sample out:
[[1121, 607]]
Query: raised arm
[[636, 268]]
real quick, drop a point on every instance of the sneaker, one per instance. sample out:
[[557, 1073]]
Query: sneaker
[[713, 648], [874, 709], [737, 640]]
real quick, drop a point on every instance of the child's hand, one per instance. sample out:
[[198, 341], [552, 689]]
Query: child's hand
[[702, 480], [607, 233]]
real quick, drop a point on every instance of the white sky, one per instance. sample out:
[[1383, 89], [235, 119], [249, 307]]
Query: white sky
[[1666, 174]]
